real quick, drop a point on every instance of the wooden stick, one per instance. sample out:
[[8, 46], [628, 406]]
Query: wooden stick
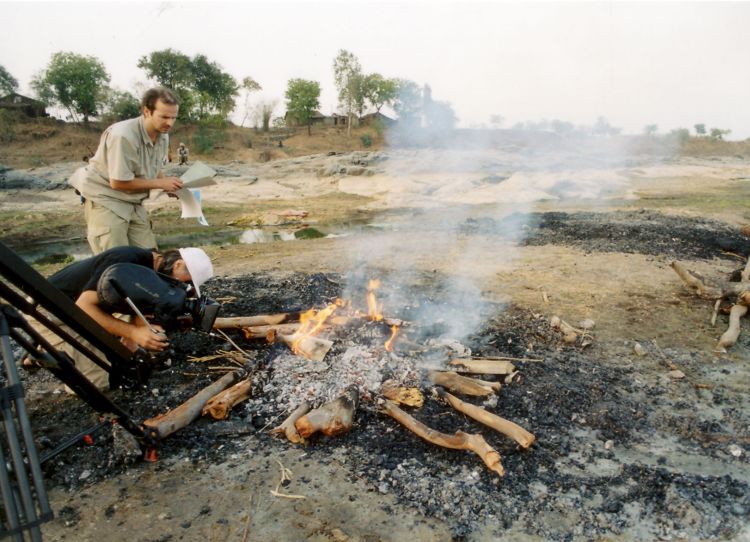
[[462, 384], [458, 441], [169, 422], [694, 283], [506, 427], [261, 332], [238, 322], [717, 306], [287, 427], [732, 333], [332, 418], [313, 348], [570, 333], [220, 405], [482, 366], [723, 291]]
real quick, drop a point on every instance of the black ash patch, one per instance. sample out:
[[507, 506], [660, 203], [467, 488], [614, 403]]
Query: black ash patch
[[596, 415]]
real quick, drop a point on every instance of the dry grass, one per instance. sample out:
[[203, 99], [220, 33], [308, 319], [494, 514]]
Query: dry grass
[[39, 142]]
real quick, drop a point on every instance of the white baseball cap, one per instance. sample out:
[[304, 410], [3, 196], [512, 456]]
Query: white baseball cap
[[198, 265]]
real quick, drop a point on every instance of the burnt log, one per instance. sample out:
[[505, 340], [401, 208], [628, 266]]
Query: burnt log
[[239, 322], [169, 422], [462, 384], [458, 441], [501, 425], [287, 427], [219, 406], [331, 419]]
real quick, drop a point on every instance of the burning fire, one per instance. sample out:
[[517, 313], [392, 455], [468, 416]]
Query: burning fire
[[389, 343], [374, 309], [312, 322]]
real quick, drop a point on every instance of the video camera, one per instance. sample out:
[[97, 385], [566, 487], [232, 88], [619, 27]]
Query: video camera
[[166, 299]]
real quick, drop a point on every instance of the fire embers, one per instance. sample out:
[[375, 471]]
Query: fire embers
[[309, 337]]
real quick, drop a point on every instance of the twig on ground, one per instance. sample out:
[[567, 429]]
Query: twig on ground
[[231, 342], [286, 475]]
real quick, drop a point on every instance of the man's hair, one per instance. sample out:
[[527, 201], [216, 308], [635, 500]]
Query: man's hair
[[168, 259], [164, 94]]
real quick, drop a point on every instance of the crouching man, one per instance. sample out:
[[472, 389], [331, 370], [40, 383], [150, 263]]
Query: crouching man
[[79, 282]]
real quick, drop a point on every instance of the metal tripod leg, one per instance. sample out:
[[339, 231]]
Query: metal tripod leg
[[10, 397]]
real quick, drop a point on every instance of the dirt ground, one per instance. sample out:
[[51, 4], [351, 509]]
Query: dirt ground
[[521, 235]]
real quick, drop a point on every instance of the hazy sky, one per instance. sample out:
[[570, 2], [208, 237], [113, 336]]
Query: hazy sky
[[673, 64]]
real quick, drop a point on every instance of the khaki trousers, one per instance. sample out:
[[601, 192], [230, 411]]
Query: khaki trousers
[[98, 376], [106, 229]]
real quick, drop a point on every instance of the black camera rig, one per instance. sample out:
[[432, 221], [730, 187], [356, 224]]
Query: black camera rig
[[26, 293]]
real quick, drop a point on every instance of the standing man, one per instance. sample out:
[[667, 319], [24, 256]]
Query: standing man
[[127, 164]]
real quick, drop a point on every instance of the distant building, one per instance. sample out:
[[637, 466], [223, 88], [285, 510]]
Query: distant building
[[377, 117], [317, 118], [338, 120], [28, 106]]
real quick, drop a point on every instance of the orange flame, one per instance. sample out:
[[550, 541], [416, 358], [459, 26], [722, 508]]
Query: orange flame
[[389, 343], [310, 324], [374, 309]]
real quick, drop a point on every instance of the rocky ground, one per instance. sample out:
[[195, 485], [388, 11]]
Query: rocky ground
[[641, 434]]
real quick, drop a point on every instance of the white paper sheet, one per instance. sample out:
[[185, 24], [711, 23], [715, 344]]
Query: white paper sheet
[[191, 204], [199, 174]]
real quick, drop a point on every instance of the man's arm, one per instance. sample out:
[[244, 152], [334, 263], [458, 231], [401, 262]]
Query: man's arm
[[141, 335], [139, 184]]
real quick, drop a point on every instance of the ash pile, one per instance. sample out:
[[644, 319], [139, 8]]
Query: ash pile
[[585, 475]]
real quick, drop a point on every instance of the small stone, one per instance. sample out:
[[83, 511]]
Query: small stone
[[85, 474], [676, 374], [735, 450], [163, 516], [586, 324], [609, 444], [155, 392], [638, 349]]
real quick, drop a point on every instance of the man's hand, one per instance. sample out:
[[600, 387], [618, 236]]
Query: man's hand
[[170, 184], [143, 336]]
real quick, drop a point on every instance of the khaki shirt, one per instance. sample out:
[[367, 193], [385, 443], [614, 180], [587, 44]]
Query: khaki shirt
[[125, 152]]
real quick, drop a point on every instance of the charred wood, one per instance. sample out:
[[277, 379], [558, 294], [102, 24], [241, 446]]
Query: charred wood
[[331, 419], [220, 405], [287, 427], [501, 425], [187, 412], [462, 384], [458, 441]]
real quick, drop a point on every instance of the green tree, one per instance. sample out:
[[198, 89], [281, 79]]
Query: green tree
[[719, 134], [215, 89], [302, 99], [75, 82], [169, 68], [121, 105], [680, 135], [8, 83], [650, 129], [700, 129], [172, 69], [263, 113], [378, 90], [205, 90], [249, 85], [408, 102], [347, 74]]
